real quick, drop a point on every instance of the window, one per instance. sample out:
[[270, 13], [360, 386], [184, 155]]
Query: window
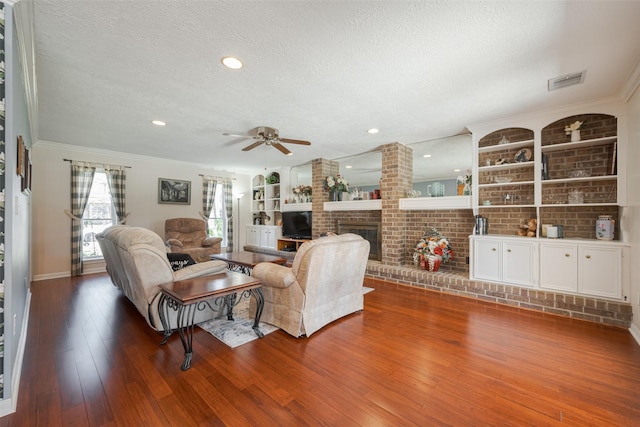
[[217, 224], [98, 215]]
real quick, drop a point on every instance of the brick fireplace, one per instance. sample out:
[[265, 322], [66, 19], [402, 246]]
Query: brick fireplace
[[369, 230]]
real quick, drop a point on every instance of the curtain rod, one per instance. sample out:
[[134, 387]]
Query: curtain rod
[[216, 177], [97, 164]]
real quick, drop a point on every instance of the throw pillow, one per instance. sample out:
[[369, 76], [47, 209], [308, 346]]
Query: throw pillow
[[179, 261]]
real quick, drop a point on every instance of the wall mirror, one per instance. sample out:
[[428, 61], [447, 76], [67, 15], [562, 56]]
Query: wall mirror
[[300, 175], [441, 160], [362, 170]]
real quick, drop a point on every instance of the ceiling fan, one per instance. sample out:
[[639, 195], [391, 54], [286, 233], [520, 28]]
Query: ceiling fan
[[269, 137]]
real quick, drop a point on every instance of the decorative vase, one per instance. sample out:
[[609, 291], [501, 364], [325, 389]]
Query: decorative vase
[[430, 262], [575, 135], [336, 196], [460, 189]]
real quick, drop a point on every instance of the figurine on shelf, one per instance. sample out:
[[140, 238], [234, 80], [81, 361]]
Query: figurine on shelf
[[529, 228]]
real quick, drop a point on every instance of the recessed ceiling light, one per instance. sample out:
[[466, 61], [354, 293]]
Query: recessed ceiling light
[[348, 167], [456, 170], [426, 155], [231, 62], [158, 122], [373, 130]]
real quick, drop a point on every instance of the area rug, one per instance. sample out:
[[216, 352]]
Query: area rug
[[236, 332]]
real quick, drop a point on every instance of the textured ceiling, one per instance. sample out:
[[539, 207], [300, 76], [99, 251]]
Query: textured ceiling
[[324, 71]]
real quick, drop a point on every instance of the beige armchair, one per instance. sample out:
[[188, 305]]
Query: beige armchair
[[324, 284], [136, 260], [189, 236]]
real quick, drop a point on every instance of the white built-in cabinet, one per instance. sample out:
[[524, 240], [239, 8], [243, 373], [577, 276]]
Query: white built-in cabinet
[[583, 268], [530, 167], [266, 207], [266, 198], [510, 261], [265, 236]]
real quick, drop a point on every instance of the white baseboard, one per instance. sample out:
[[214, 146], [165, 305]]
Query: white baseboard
[[61, 274], [635, 332], [47, 276], [8, 405]]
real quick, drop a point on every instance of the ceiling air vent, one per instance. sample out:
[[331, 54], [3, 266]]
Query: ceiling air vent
[[565, 81]]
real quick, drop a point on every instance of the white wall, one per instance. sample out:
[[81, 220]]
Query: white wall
[[51, 228], [631, 214], [16, 217]]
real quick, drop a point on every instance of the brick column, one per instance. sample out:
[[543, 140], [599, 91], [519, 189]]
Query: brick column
[[397, 179], [320, 169]]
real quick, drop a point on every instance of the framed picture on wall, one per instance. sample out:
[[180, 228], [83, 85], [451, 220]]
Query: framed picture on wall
[[26, 179], [21, 171], [174, 191]]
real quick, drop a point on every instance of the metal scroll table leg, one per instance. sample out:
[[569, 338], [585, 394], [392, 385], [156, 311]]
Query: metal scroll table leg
[[163, 312], [257, 294], [186, 317], [230, 301]]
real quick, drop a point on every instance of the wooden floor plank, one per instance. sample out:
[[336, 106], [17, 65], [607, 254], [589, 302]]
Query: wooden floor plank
[[411, 357]]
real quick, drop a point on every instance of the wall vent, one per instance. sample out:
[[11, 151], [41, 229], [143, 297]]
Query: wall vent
[[567, 80]]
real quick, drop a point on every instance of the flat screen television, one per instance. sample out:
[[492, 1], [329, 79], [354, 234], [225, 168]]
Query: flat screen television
[[296, 225]]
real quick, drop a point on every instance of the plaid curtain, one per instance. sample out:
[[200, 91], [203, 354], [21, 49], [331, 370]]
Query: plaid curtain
[[117, 177], [208, 196], [81, 180], [228, 203]]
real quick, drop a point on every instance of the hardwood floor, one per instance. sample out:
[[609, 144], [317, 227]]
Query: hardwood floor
[[412, 357]]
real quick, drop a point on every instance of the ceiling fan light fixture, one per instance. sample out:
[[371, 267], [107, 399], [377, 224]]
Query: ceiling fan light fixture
[[232, 63]]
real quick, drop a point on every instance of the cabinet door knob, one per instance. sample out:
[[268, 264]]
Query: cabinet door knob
[[493, 249], [588, 256], [567, 255], [508, 250]]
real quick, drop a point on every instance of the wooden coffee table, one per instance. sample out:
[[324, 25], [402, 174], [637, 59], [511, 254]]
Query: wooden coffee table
[[192, 295], [243, 262]]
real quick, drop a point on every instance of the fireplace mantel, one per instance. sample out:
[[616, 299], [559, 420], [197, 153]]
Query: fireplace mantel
[[435, 203], [354, 205]]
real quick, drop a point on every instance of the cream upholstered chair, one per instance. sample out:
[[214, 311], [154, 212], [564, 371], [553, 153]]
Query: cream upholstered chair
[[189, 236], [324, 284], [137, 263]]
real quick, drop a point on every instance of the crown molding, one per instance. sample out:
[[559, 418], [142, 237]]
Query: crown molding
[[129, 156], [631, 85], [613, 105]]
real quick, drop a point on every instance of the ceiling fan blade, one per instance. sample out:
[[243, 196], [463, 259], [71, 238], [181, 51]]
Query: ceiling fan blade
[[240, 135], [252, 146], [294, 141], [281, 147]]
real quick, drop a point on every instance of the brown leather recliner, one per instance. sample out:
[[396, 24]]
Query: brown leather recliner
[[189, 236]]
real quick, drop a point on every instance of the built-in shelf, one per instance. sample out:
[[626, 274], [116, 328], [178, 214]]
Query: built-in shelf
[[582, 178], [579, 144], [294, 207], [354, 205], [545, 205], [435, 203], [506, 166], [509, 146], [504, 184], [505, 206]]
